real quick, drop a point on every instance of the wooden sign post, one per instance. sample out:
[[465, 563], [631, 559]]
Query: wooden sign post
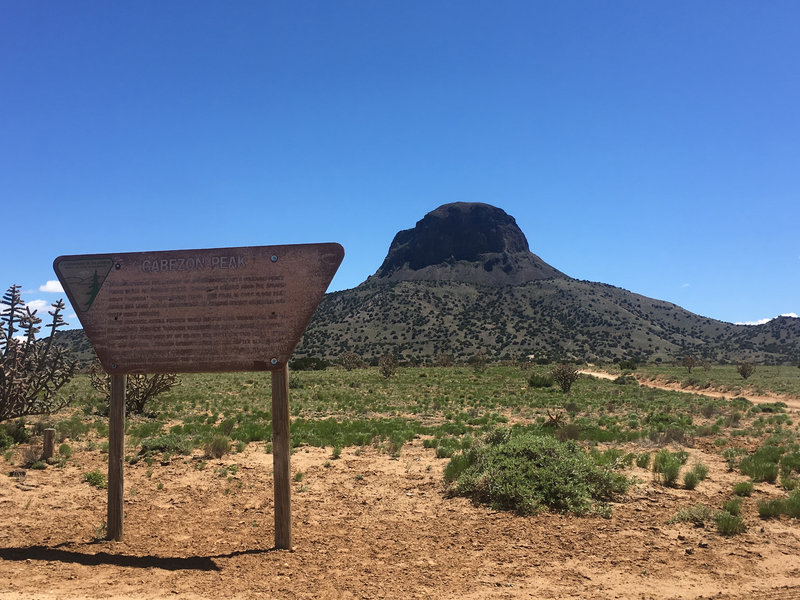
[[116, 453], [199, 311], [280, 458]]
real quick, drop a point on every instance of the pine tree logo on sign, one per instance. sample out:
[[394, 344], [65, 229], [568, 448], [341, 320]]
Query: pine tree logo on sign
[[82, 279]]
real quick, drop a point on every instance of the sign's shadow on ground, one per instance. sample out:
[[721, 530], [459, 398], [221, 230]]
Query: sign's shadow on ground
[[61, 554]]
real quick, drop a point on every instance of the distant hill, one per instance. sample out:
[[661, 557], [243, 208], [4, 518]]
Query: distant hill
[[78, 343], [464, 281], [550, 319]]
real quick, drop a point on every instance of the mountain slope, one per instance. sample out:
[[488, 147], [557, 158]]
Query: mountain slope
[[554, 319], [463, 281]]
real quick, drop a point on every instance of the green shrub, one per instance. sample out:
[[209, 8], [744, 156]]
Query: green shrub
[[172, 443], [770, 407], [728, 524], [667, 467], [95, 478], [643, 460], [570, 431], [731, 456], [445, 451], [457, 465], [699, 514], [251, 431], [733, 506], [626, 380], [218, 446], [708, 410], [769, 453], [226, 427], [762, 465], [792, 504], [65, 450], [743, 488], [6, 441], [700, 470], [501, 435], [540, 381], [690, 480], [770, 509], [17, 431], [609, 458], [759, 469], [528, 473], [790, 463]]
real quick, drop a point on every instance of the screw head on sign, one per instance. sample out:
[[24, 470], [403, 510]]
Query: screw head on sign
[[113, 365], [274, 258], [117, 266], [274, 361]]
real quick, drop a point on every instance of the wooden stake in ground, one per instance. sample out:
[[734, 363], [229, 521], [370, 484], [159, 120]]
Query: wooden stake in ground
[[49, 444], [280, 458], [116, 451]]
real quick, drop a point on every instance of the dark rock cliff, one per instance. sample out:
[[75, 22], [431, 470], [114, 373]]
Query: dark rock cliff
[[468, 242]]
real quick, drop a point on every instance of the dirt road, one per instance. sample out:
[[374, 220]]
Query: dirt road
[[793, 403]]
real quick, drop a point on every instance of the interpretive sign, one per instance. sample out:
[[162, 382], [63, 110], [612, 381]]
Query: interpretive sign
[[193, 311], [196, 311]]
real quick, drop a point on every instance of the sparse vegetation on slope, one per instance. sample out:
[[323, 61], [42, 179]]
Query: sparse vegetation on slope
[[552, 320]]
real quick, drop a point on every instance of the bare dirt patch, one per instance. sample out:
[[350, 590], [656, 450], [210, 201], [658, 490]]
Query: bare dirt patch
[[370, 526]]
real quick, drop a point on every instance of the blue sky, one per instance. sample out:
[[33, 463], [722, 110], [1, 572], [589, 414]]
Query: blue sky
[[651, 145]]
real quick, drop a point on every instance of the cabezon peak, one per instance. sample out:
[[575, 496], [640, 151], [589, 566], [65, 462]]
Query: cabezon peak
[[469, 242]]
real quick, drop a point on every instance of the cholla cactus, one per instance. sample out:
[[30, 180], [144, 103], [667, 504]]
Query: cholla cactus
[[139, 389], [33, 371], [350, 360], [564, 375], [387, 364]]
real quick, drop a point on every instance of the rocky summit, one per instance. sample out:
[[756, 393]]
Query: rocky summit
[[467, 242]]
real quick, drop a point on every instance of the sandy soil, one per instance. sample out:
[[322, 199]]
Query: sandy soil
[[369, 526]]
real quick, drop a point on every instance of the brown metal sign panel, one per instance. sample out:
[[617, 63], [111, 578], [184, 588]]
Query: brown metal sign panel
[[198, 311]]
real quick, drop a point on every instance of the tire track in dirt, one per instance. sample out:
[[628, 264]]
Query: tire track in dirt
[[793, 403]]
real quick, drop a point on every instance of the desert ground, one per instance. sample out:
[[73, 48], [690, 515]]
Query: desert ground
[[369, 525]]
